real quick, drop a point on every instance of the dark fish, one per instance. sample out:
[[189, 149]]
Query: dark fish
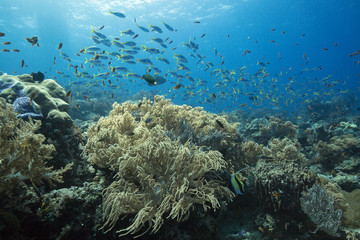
[[15, 50], [5, 50], [6, 43], [139, 105], [2, 34], [33, 40], [150, 79], [202, 35], [136, 35], [148, 120], [196, 21], [101, 27], [326, 49], [22, 63], [177, 87], [68, 94], [60, 46], [39, 76], [214, 96], [219, 123], [32, 95], [253, 98]]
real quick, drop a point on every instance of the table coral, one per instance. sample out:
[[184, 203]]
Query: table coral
[[156, 177]]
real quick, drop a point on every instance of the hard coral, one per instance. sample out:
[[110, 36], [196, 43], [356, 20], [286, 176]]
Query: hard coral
[[156, 177], [23, 154]]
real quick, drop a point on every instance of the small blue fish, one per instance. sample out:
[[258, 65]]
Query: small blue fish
[[168, 27], [118, 14]]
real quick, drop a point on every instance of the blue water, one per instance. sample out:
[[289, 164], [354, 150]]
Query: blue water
[[300, 30]]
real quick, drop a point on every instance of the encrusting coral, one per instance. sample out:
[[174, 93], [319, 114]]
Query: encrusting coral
[[23, 154], [156, 177]]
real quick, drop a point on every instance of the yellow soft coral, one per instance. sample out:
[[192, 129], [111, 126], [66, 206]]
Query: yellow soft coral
[[23, 154], [156, 177]]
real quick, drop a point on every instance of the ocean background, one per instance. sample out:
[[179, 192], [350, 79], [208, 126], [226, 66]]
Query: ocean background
[[281, 76], [300, 31]]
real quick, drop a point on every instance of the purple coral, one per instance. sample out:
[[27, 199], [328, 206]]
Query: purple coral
[[25, 109]]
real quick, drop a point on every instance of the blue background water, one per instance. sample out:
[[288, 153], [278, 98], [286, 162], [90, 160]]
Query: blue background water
[[230, 26]]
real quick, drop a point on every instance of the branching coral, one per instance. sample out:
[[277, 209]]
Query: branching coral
[[157, 177], [23, 154]]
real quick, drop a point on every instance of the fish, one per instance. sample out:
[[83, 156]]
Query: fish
[[150, 50], [177, 87], [31, 98], [136, 35], [39, 76], [168, 27], [145, 61], [148, 120], [219, 123], [150, 79], [142, 28], [15, 50], [60, 46], [118, 14], [2, 34], [155, 28], [100, 28], [202, 35], [68, 94], [326, 49], [158, 40], [164, 60], [99, 34], [33, 41], [239, 182], [355, 53], [6, 43], [253, 98], [22, 63], [28, 142], [196, 21], [5, 50], [127, 32], [129, 43]]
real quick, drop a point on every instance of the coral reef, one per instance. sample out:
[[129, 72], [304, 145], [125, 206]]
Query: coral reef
[[336, 150], [279, 184], [46, 96], [156, 177], [319, 206], [23, 154], [262, 130], [284, 150], [46, 101]]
